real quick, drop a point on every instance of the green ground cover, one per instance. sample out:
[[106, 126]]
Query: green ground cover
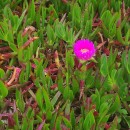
[[43, 85]]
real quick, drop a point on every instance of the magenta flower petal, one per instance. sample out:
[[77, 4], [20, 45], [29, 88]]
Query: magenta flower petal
[[84, 49]]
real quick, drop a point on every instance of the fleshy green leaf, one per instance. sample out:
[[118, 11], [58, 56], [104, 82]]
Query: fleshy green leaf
[[89, 121], [3, 90], [104, 65]]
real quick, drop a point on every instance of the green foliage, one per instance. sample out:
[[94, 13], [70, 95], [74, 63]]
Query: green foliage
[[60, 30], [76, 15], [15, 20], [50, 35], [56, 90], [20, 101], [104, 65], [89, 121], [109, 23], [3, 90], [31, 13], [41, 96], [2, 73]]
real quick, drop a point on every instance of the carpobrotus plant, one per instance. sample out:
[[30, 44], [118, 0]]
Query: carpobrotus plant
[[64, 65]]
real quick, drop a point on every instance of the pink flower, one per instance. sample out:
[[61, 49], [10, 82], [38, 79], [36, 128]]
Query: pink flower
[[84, 49]]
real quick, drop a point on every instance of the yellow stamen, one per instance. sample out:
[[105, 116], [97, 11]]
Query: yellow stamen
[[84, 50]]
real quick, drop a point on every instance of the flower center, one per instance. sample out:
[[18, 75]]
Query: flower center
[[84, 50]]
